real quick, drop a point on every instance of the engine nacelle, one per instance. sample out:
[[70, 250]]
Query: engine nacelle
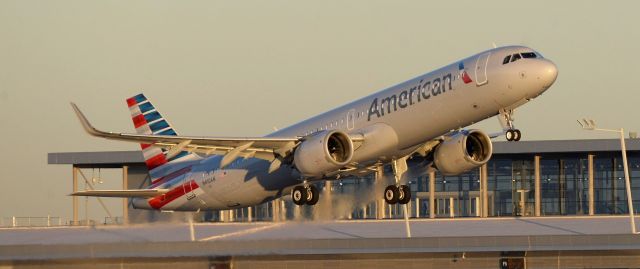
[[462, 152], [322, 153]]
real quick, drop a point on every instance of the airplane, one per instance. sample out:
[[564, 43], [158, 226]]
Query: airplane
[[422, 118]]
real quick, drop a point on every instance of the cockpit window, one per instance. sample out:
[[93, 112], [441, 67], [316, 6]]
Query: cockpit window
[[516, 57], [506, 59]]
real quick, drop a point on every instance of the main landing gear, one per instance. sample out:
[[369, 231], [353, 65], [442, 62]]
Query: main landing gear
[[307, 194], [506, 120], [397, 193], [394, 194]]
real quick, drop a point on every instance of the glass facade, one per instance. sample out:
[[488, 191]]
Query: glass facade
[[564, 186]]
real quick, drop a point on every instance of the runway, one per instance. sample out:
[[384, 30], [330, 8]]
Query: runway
[[482, 243], [291, 230]]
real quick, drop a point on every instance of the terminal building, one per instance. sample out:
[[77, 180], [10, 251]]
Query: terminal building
[[536, 204], [526, 178]]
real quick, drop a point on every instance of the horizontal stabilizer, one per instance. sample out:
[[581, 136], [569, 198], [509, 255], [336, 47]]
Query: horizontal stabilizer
[[145, 193]]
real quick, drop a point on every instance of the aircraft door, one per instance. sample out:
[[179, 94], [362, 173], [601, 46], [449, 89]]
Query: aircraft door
[[188, 188], [481, 69], [351, 119]]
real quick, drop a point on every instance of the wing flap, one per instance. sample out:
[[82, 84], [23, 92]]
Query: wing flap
[[144, 193]]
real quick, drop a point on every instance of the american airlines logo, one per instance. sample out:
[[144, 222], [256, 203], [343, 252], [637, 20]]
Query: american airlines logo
[[421, 91], [463, 73]]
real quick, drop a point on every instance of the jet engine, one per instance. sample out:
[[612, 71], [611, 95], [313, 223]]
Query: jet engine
[[322, 153], [462, 152]]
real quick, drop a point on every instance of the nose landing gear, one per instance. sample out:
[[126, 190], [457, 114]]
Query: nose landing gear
[[506, 120], [513, 135]]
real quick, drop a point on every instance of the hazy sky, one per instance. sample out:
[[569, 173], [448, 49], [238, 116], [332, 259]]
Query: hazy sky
[[239, 68]]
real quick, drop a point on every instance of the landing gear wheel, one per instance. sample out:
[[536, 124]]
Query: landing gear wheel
[[405, 193], [517, 134], [313, 195], [513, 135], [509, 135], [299, 195], [391, 194]]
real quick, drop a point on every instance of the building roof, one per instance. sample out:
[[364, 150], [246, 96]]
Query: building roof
[[119, 158], [563, 146], [101, 158]]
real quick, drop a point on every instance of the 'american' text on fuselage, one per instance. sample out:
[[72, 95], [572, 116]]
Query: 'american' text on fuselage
[[411, 96]]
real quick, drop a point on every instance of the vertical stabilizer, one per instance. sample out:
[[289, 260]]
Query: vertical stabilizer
[[147, 120]]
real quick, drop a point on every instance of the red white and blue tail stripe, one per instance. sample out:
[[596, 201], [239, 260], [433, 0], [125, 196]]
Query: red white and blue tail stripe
[[147, 120]]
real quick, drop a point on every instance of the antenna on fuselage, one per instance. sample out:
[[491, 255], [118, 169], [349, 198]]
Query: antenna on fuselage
[[494, 45]]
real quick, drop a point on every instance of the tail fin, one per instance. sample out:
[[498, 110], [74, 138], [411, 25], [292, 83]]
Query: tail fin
[[147, 120]]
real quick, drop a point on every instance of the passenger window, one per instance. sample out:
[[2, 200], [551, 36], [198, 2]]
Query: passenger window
[[506, 59], [515, 57], [528, 55]]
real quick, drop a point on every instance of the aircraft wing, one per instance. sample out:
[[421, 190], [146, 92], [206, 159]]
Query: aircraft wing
[[122, 193], [232, 147]]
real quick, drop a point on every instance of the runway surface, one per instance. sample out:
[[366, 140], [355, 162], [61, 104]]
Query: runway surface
[[362, 229]]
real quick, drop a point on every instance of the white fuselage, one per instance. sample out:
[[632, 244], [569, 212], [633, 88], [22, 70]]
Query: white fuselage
[[393, 123]]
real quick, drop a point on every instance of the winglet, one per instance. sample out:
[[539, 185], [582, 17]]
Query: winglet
[[85, 123]]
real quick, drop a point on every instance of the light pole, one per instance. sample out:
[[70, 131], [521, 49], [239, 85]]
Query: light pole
[[589, 124]]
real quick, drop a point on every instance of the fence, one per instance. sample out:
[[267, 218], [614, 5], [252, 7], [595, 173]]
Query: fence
[[47, 221]]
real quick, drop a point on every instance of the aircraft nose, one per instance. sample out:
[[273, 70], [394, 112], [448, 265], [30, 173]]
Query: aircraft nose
[[549, 73]]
